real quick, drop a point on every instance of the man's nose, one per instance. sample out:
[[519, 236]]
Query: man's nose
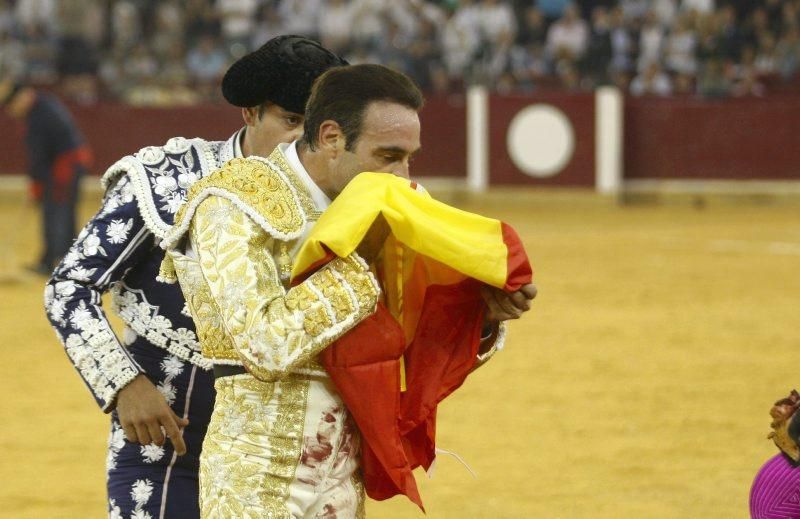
[[402, 169]]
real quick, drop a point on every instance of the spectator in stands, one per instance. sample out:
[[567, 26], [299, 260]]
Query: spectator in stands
[[40, 50], [533, 29], [622, 43], [111, 73], [651, 41], [634, 10], [460, 41], [567, 38], [708, 38], [714, 82], [424, 58], [683, 85], [570, 79], [334, 28], [790, 14], [12, 56], [126, 26], [653, 81], [370, 22], [201, 19], [206, 63], [169, 28], [528, 66], [140, 64], [300, 16], [552, 9], [665, 12], [79, 24], [497, 23], [475, 40], [788, 53], [597, 59], [175, 79], [7, 20], [680, 49], [748, 85], [40, 13], [774, 10], [237, 20], [730, 37], [766, 62], [498, 29], [702, 7], [269, 26], [755, 25], [392, 49]]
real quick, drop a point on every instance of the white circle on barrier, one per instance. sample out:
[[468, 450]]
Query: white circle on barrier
[[540, 140]]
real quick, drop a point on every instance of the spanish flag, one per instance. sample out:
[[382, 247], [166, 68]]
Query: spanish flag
[[394, 368]]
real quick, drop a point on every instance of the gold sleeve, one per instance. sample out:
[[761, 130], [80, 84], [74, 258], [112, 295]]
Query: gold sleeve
[[274, 330]]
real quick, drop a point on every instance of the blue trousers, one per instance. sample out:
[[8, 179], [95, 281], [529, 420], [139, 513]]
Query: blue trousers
[[153, 481]]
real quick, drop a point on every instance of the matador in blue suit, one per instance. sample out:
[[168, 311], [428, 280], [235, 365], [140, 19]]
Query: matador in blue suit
[[152, 379]]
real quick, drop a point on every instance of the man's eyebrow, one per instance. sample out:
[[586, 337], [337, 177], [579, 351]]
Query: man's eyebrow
[[397, 149]]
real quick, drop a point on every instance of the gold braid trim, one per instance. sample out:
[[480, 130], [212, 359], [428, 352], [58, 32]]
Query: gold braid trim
[[271, 197]]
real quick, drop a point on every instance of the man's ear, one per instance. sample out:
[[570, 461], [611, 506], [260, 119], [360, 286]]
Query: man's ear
[[331, 138], [250, 115]]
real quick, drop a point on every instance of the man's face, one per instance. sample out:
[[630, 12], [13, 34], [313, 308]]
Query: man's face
[[389, 137], [274, 126]]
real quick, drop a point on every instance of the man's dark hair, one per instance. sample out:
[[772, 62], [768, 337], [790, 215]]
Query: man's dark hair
[[342, 94]]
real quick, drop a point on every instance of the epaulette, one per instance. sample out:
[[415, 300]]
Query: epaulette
[[254, 185], [162, 175]]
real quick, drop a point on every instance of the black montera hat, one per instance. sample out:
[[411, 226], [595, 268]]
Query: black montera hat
[[281, 71]]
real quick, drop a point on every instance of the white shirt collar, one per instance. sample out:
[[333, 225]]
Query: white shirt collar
[[321, 200], [237, 144]]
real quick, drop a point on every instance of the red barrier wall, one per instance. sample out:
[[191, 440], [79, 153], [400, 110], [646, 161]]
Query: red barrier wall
[[695, 139], [118, 130], [664, 138]]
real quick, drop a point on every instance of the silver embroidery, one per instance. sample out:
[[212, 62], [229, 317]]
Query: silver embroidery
[[144, 319]]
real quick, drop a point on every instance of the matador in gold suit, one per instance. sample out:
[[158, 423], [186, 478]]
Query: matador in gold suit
[[232, 250]]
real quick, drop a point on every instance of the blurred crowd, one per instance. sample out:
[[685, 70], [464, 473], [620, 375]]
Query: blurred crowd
[[168, 52]]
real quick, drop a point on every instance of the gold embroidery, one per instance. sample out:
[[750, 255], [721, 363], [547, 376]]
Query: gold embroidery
[[214, 342], [251, 450], [279, 159], [357, 481], [257, 186]]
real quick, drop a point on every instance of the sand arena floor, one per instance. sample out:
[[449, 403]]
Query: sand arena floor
[[638, 387]]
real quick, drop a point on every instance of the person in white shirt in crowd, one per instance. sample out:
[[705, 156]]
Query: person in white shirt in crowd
[[567, 38], [237, 18], [700, 6], [301, 16], [459, 40], [335, 27], [680, 49], [651, 41]]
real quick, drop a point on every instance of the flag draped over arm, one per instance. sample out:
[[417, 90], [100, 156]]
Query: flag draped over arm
[[394, 368]]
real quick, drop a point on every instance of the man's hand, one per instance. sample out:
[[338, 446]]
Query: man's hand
[[143, 412], [785, 425], [373, 241], [503, 305]]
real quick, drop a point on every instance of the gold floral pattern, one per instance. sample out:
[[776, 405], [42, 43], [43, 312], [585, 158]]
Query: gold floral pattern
[[242, 309], [251, 449]]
